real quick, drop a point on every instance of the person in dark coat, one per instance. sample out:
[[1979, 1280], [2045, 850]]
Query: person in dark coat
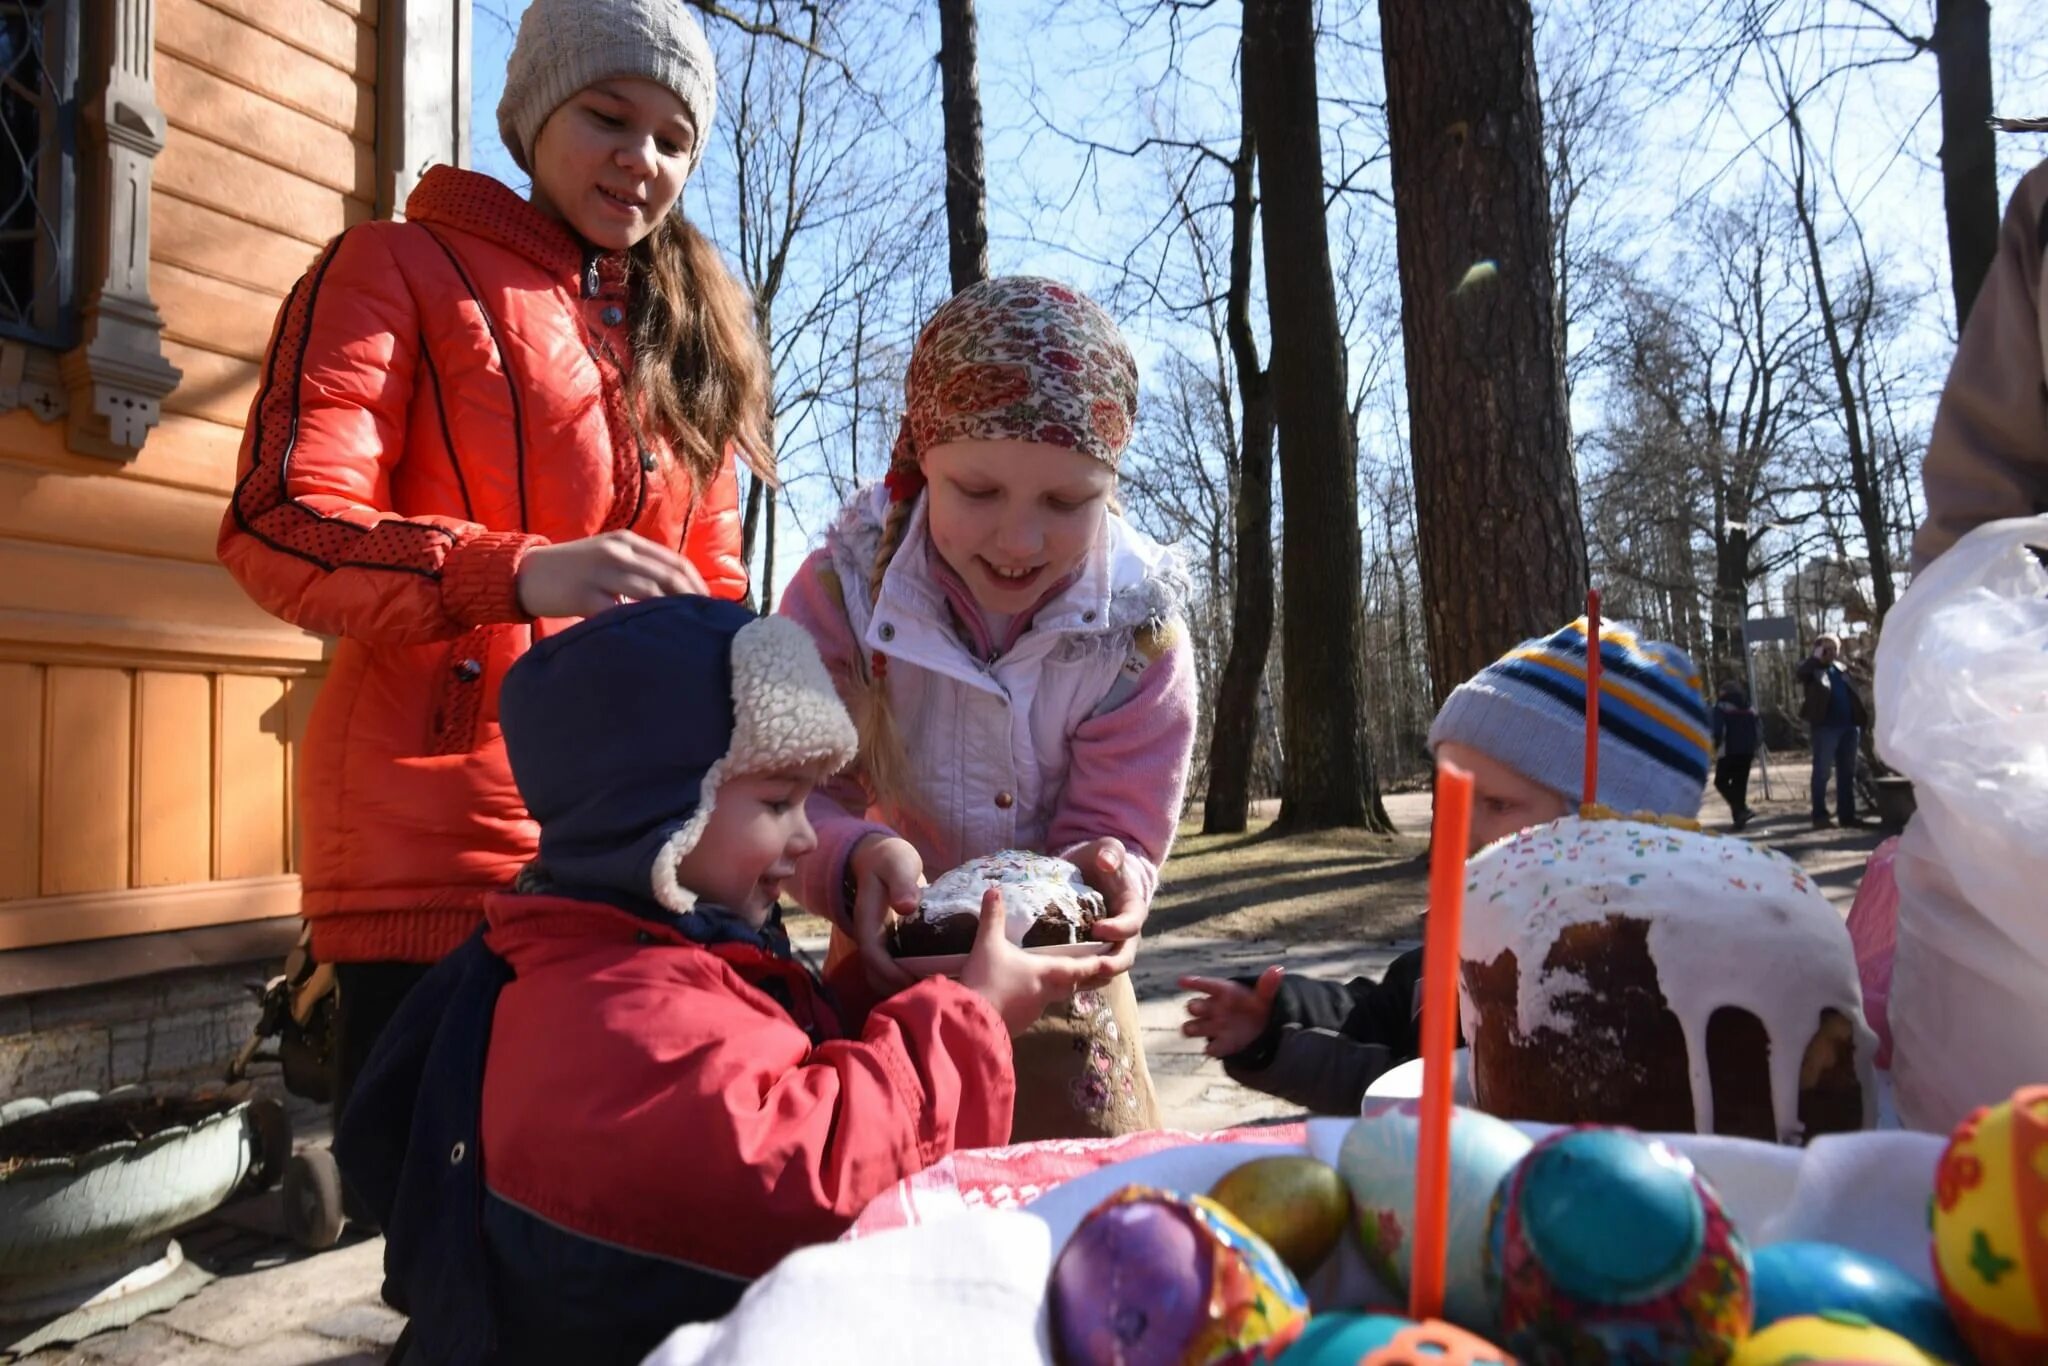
[[1737, 733], [1835, 712]]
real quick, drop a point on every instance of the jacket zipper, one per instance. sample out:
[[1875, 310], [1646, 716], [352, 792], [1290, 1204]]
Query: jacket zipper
[[589, 285]]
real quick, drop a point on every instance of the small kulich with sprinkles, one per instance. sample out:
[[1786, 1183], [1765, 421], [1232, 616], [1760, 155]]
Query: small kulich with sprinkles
[[1635, 972]]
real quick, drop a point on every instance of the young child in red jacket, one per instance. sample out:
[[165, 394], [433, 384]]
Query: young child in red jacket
[[624, 1099]]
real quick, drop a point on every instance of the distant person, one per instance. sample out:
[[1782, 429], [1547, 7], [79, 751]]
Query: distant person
[[1835, 711], [1737, 732]]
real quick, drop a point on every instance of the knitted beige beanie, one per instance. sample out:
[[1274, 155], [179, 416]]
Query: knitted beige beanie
[[564, 45]]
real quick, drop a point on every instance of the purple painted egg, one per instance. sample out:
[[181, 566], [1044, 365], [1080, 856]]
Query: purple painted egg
[[1155, 1279]]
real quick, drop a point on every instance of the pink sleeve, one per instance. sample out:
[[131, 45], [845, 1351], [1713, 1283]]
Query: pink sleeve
[[1129, 767], [838, 809]]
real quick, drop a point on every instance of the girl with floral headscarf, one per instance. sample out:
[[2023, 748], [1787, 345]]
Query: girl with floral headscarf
[[1012, 652]]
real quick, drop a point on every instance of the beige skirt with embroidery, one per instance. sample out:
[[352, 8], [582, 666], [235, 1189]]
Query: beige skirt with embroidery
[[1081, 1069]]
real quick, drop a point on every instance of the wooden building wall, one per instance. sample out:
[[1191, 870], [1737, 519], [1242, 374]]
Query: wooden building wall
[[147, 709]]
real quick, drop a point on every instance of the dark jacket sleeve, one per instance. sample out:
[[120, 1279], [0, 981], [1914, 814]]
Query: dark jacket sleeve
[[1327, 1041]]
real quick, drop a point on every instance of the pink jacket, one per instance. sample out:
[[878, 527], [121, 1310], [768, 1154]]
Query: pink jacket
[[1080, 727], [1988, 457]]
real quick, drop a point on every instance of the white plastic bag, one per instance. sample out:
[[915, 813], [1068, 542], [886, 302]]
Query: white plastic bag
[[1962, 710]]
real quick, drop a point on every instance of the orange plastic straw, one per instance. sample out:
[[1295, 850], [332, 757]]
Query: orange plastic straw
[[1439, 1038], [1592, 697]]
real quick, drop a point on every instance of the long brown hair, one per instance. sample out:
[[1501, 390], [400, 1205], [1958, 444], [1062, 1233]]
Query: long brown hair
[[700, 374]]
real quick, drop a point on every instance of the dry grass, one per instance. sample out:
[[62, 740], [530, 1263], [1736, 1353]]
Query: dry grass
[[1338, 885]]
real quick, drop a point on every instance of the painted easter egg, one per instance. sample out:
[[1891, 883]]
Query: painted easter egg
[[1377, 1160], [1297, 1204], [1607, 1245], [1792, 1280], [1155, 1279], [1387, 1340], [1832, 1336], [1991, 1229]]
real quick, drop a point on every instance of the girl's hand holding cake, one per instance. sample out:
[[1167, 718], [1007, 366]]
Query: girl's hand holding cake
[[1104, 868], [887, 876]]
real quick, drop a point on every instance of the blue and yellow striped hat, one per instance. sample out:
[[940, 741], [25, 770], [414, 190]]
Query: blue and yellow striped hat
[[1528, 710]]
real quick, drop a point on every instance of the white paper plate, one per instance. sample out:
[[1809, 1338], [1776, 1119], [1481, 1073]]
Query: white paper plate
[[1405, 1082], [949, 964]]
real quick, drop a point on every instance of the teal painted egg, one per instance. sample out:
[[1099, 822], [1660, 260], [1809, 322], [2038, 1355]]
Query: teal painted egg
[[1377, 1160], [1352, 1339], [1797, 1280], [1606, 1245]]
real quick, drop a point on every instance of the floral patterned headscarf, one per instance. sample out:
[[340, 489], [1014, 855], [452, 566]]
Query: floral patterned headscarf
[[1016, 358]]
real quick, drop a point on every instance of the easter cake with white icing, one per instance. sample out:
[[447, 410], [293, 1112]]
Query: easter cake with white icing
[[1624, 972], [1045, 902]]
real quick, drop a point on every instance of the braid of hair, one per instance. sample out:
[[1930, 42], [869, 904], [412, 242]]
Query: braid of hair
[[882, 760]]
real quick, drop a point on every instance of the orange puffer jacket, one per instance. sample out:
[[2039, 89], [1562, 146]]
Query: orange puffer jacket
[[441, 396]]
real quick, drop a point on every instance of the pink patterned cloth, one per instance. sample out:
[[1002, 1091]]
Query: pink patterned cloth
[[1012, 1177], [1874, 930]]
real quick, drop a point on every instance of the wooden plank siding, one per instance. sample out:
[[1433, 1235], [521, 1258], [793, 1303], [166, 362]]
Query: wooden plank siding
[[149, 712]]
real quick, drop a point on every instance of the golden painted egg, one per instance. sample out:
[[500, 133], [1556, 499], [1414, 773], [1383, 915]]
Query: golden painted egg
[[1829, 1337], [1991, 1229]]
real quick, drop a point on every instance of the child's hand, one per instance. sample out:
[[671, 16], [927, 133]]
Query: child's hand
[[1105, 868], [1229, 1016], [1018, 983], [887, 875], [583, 578]]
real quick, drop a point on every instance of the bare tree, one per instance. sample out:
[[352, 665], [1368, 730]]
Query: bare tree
[[1329, 779], [1503, 552], [1969, 157], [966, 182], [1856, 35], [1845, 338], [812, 196], [1234, 739]]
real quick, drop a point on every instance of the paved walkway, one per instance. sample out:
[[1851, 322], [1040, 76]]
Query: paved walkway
[[276, 1306]]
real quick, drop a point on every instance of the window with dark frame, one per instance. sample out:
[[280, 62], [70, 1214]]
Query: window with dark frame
[[38, 171]]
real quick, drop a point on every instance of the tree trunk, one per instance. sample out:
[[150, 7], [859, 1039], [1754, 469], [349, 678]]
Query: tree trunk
[[767, 593], [966, 183], [1501, 545], [1235, 729], [1328, 779], [750, 522], [1969, 160]]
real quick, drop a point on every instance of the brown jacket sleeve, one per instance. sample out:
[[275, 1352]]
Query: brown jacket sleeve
[[1988, 458]]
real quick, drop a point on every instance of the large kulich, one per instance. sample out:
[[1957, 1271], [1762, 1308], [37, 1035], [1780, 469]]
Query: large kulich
[[1630, 972]]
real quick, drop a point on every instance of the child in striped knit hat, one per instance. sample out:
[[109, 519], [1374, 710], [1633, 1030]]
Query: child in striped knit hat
[[1518, 726]]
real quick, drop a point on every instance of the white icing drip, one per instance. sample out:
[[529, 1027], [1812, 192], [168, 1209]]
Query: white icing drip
[[1033, 886], [1729, 924]]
